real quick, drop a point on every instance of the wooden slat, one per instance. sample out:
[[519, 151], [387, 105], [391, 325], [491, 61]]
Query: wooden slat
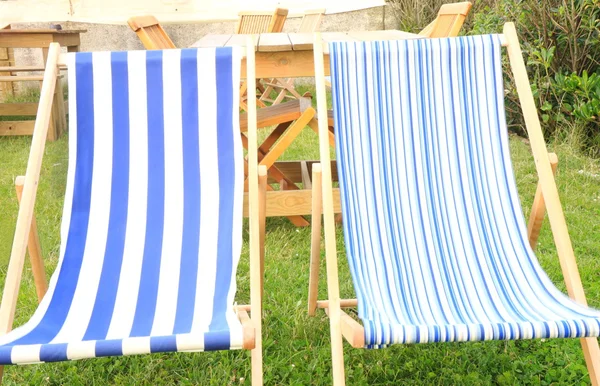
[[287, 64], [16, 127], [274, 115], [37, 31], [336, 36], [380, 35], [293, 170], [292, 203], [21, 78], [213, 41], [21, 68], [274, 42], [455, 8], [138, 22], [301, 41], [240, 40], [29, 108]]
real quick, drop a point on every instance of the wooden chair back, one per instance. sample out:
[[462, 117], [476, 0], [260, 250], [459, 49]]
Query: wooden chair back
[[449, 20], [251, 22], [311, 20], [150, 32]]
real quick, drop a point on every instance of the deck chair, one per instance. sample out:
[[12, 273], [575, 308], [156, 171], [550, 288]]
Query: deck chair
[[257, 22], [150, 32], [448, 22], [152, 220], [284, 88], [289, 117], [433, 226]]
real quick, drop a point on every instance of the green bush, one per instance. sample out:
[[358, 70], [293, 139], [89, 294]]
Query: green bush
[[561, 46]]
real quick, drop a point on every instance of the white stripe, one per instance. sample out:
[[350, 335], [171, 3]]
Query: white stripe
[[238, 152], [168, 284], [209, 195], [81, 350], [190, 342], [136, 345], [26, 354], [135, 234], [83, 302]]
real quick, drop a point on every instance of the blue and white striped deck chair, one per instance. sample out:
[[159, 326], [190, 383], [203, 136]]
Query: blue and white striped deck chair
[[152, 222], [433, 226]]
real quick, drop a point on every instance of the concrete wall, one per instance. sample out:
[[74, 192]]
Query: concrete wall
[[102, 37]]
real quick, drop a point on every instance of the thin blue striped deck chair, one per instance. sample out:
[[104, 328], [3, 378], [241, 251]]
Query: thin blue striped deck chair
[[152, 221], [434, 232]]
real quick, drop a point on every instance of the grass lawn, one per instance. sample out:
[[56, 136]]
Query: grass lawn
[[296, 347]]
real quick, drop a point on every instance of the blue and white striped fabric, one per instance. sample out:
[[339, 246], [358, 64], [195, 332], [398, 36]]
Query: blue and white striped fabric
[[434, 230], [152, 220]]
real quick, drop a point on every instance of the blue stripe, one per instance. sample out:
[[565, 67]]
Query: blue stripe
[[446, 250], [216, 340], [226, 167], [64, 291], [191, 194], [115, 242], [148, 290], [163, 344], [5, 355], [111, 347], [53, 352]]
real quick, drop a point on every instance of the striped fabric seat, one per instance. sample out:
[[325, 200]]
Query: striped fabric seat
[[434, 229], [152, 221]]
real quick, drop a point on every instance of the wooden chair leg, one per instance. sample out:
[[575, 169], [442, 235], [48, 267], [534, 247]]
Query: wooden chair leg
[[286, 139], [315, 240], [262, 215], [591, 352], [34, 248], [314, 124], [538, 209]]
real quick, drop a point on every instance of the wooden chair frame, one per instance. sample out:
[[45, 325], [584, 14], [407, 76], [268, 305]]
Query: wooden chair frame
[[150, 32], [255, 22], [285, 87], [26, 236], [449, 20], [341, 324]]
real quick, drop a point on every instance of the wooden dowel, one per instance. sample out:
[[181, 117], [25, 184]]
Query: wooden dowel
[[34, 248], [344, 303], [315, 240]]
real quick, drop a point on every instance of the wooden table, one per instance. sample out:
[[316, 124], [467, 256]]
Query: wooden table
[[289, 55], [40, 38], [33, 38]]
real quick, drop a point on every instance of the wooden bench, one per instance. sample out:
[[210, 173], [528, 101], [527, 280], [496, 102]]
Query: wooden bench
[[58, 119]]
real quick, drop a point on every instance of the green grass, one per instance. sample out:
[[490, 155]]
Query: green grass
[[296, 347]]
